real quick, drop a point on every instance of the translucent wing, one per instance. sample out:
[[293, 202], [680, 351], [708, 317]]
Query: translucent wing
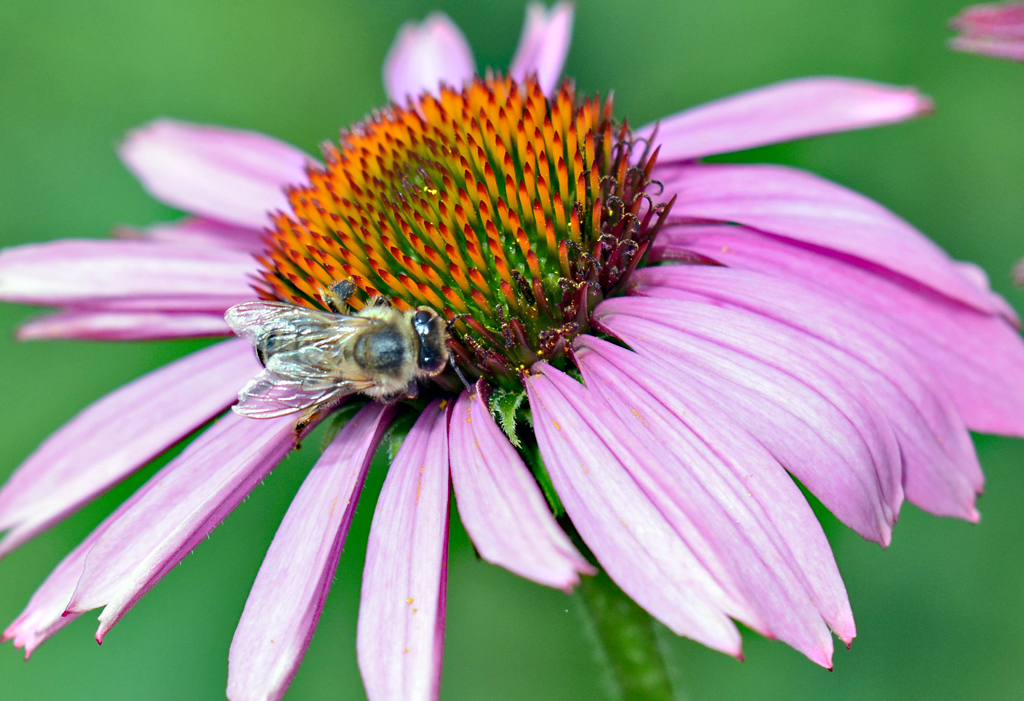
[[313, 366], [268, 395], [274, 327], [304, 351]]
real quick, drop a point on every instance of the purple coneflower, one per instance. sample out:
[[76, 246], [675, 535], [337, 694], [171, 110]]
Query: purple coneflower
[[994, 29], [654, 345]]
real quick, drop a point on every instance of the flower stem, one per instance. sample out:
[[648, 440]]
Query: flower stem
[[625, 635]]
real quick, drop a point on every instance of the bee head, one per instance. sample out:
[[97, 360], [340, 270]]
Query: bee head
[[430, 329]]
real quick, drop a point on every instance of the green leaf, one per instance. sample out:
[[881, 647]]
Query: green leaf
[[505, 407]]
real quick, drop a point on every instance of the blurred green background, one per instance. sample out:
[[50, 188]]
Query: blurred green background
[[940, 613]]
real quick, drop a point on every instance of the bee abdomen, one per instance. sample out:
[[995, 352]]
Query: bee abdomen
[[267, 345]]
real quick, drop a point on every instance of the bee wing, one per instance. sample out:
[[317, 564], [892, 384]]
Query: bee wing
[[276, 327], [312, 366], [304, 351], [268, 395]]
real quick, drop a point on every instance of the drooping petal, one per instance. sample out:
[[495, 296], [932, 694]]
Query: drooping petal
[[44, 615], [979, 356], [800, 205], [501, 505], [196, 231], [426, 54], [230, 175], [941, 470], [992, 29], [808, 407], [289, 593], [137, 275], [757, 519], [792, 109], [659, 559], [117, 435], [124, 325], [176, 509], [544, 44], [400, 637]]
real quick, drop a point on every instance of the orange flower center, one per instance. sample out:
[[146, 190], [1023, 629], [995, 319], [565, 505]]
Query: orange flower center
[[509, 213]]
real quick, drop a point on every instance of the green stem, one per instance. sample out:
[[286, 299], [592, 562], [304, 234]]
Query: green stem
[[625, 634]]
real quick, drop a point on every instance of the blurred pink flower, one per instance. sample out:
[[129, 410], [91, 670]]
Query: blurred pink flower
[[792, 325], [992, 29]]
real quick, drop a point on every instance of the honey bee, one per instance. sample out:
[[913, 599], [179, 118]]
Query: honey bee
[[313, 359]]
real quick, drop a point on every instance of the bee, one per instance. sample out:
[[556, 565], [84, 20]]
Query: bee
[[313, 359]]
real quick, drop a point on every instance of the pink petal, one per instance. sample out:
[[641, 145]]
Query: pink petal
[[544, 44], [806, 406], [995, 29], [181, 504], [801, 206], [196, 231], [655, 553], [1018, 273], [117, 435], [1012, 49], [980, 357], [975, 273], [230, 175], [793, 109], [756, 517], [426, 54], [44, 615], [46, 612], [501, 505], [289, 593], [400, 637], [124, 326], [941, 470], [1003, 19], [138, 275]]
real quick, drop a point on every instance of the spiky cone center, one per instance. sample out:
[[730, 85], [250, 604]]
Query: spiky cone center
[[510, 213]]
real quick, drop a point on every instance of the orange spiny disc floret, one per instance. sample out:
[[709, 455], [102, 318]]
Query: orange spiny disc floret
[[511, 213]]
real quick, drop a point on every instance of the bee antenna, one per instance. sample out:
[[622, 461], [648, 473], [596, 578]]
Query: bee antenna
[[451, 361]]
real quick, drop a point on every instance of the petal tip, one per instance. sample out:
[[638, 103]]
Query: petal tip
[[426, 54], [136, 138], [846, 632], [27, 332], [822, 656], [925, 105]]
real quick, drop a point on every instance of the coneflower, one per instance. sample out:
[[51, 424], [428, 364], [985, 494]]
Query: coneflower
[[643, 349]]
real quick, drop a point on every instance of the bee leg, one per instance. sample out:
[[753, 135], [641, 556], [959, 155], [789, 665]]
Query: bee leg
[[310, 416], [336, 296], [300, 426], [465, 382], [413, 390], [379, 301], [450, 325]]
